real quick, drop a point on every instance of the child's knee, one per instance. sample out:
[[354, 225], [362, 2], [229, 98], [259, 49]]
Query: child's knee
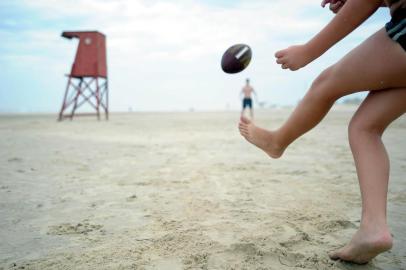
[[323, 78], [323, 86], [361, 126]]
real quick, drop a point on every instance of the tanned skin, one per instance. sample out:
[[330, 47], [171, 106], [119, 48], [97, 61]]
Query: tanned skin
[[379, 65]]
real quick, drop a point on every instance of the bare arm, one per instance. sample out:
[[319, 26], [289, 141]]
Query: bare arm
[[351, 15]]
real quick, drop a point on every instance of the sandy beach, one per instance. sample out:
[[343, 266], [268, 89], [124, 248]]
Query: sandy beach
[[183, 191]]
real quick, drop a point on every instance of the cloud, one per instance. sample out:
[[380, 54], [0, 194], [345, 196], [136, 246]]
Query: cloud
[[166, 47], [179, 29]]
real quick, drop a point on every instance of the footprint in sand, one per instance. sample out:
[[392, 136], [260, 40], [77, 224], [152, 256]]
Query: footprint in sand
[[335, 225], [15, 159], [196, 261], [250, 256], [299, 238], [74, 229], [237, 256], [132, 198], [290, 259]]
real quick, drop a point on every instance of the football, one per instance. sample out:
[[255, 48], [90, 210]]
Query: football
[[236, 58]]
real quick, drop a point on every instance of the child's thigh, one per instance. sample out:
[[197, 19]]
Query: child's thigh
[[378, 63]]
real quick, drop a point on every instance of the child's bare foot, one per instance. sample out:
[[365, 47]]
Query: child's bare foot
[[261, 138], [365, 245]]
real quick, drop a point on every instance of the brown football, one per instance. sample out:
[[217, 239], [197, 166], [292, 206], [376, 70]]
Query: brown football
[[236, 58]]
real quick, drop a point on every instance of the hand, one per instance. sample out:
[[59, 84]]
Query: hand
[[294, 57], [335, 5]]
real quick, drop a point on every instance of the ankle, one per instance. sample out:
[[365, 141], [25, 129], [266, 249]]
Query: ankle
[[374, 227], [380, 231], [374, 223], [278, 140]]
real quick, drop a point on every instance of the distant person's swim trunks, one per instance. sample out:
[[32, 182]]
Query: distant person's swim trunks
[[247, 102], [396, 28]]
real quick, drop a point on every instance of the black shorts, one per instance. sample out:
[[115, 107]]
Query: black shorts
[[396, 28], [247, 102]]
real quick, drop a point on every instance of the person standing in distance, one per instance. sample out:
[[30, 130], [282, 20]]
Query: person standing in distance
[[247, 92]]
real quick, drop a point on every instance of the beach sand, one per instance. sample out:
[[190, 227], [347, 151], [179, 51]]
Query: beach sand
[[183, 191]]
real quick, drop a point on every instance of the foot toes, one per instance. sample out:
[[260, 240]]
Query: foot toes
[[340, 254], [244, 132], [334, 255], [242, 126]]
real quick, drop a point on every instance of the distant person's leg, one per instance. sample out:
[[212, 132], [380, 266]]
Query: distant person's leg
[[378, 63], [251, 110], [378, 110], [243, 108]]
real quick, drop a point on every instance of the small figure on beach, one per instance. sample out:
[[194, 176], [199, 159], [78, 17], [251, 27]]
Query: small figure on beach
[[377, 65], [246, 93]]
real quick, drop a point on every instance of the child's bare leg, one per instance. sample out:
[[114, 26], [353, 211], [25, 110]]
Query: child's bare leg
[[378, 110], [378, 63]]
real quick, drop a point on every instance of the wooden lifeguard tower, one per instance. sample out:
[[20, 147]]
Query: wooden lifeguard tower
[[87, 81]]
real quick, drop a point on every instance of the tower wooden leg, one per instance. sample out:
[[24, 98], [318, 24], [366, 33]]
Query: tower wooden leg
[[97, 99], [107, 99], [60, 118], [78, 93]]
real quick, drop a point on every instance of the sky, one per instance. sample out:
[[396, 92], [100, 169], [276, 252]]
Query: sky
[[163, 55]]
